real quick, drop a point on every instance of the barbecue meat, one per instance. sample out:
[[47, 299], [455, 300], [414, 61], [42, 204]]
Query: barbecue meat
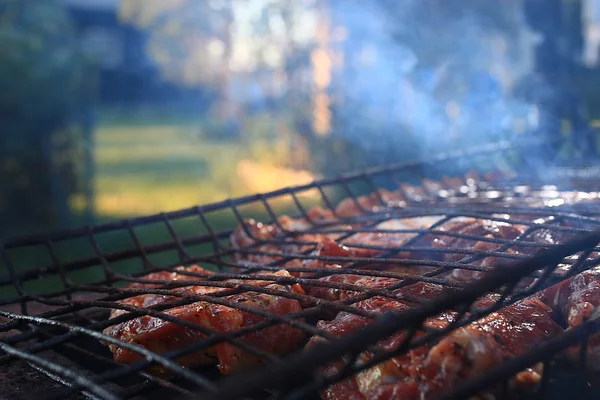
[[161, 336], [494, 229], [342, 233], [371, 203], [576, 300], [276, 239], [252, 234], [386, 237], [426, 372], [486, 343], [347, 216], [272, 239], [394, 233], [414, 293], [391, 379]]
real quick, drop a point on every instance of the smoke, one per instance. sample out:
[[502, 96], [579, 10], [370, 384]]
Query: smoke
[[423, 80]]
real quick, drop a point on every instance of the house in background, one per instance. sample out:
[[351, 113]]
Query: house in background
[[129, 76]]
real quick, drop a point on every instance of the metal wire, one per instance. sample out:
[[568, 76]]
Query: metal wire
[[74, 320]]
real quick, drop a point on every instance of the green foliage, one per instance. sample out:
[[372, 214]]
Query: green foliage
[[181, 35], [46, 85], [42, 73]]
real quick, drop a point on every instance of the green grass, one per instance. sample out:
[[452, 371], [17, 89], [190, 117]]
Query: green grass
[[146, 165], [148, 168], [119, 241]]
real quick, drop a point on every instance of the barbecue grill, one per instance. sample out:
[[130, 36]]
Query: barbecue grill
[[51, 338]]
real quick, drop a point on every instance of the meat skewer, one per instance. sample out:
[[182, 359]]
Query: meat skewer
[[161, 336]]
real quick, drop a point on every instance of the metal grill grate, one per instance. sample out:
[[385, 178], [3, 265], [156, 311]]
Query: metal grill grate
[[55, 300]]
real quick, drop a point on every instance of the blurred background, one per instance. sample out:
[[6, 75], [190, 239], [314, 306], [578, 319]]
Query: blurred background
[[118, 108]]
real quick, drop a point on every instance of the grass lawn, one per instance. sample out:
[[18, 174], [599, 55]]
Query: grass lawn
[[148, 165], [145, 166]]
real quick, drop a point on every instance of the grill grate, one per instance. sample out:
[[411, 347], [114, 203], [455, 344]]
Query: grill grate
[[52, 317]]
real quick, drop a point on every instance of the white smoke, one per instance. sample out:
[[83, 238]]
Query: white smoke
[[466, 97]]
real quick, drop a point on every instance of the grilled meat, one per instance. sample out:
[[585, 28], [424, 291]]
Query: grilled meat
[[400, 369], [341, 233], [427, 371], [162, 336], [275, 239], [576, 300], [386, 238], [256, 235], [371, 203], [482, 345], [414, 292], [488, 230], [277, 242], [463, 235]]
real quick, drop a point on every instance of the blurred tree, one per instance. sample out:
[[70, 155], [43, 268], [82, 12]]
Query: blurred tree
[[46, 89], [190, 40]]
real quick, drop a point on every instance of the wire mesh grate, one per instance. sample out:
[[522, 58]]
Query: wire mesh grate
[[127, 321]]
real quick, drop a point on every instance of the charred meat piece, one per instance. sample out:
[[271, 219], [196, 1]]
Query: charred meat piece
[[484, 344], [252, 237], [393, 378], [394, 233], [411, 293], [426, 372], [460, 234], [386, 237], [251, 234], [583, 298], [371, 203], [489, 230], [161, 336], [344, 286], [576, 300]]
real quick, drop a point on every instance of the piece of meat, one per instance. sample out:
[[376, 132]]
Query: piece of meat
[[425, 372], [274, 238], [395, 233], [583, 298], [252, 237], [576, 300], [491, 229], [394, 376], [161, 336], [484, 228], [387, 237], [371, 203], [391, 234], [250, 233], [418, 290], [484, 344]]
